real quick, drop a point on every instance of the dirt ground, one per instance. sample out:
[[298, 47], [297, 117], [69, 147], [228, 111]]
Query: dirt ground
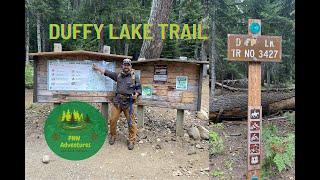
[[147, 161], [231, 164]]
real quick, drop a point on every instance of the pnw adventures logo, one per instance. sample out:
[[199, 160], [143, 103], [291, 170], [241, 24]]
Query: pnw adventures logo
[[75, 130], [73, 120]]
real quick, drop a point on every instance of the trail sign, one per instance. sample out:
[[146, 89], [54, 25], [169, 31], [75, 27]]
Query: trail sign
[[255, 49]]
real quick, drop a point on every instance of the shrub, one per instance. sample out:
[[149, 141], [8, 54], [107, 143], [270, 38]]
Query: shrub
[[216, 143], [28, 76], [279, 150]]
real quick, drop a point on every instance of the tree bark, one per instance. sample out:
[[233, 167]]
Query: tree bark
[[126, 48], [43, 38], [213, 57], [234, 106], [159, 14], [27, 32], [38, 32], [204, 58]]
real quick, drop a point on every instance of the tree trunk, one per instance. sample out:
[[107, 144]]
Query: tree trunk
[[204, 58], [126, 48], [234, 106], [27, 33], [213, 58], [159, 14], [43, 38], [38, 32]]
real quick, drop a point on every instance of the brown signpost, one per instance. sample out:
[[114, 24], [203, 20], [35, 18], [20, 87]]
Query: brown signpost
[[255, 49]]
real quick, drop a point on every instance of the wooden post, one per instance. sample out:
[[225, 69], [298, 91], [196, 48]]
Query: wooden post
[[140, 113], [57, 47], [105, 109], [255, 49], [200, 87], [56, 104], [106, 49], [179, 122], [254, 100]]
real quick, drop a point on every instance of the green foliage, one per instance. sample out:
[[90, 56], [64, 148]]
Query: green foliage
[[218, 125], [279, 150], [28, 76], [228, 164], [277, 18], [229, 16], [217, 173], [291, 117], [216, 143]]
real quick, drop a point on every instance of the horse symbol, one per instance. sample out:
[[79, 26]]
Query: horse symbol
[[255, 114]]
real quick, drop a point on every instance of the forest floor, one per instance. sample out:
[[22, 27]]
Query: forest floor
[[158, 153], [231, 164]]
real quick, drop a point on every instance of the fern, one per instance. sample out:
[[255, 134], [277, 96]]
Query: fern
[[216, 142], [279, 150]]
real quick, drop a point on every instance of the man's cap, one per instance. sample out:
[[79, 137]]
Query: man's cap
[[126, 61]]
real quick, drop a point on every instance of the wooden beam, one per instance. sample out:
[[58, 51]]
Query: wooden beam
[[140, 112], [254, 99], [56, 104], [179, 122], [200, 88]]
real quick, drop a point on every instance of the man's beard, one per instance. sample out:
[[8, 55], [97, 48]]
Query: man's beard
[[126, 70]]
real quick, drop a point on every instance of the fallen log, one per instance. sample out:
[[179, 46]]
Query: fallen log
[[235, 106], [233, 89]]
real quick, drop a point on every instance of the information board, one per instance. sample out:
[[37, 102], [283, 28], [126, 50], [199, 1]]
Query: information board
[[160, 73], [72, 75]]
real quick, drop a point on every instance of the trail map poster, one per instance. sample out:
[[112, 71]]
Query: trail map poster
[[70, 75]]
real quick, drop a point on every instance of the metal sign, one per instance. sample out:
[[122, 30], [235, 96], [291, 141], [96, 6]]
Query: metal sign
[[254, 48], [254, 140], [160, 73]]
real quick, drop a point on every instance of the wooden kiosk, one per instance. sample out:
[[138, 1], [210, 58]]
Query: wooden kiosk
[[169, 83]]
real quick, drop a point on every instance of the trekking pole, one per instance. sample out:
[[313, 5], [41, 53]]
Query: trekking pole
[[130, 111]]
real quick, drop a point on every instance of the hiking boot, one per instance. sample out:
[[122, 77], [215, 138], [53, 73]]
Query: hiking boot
[[130, 145], [112, 140]]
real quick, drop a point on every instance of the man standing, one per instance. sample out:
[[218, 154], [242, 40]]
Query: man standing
[[127, 91]]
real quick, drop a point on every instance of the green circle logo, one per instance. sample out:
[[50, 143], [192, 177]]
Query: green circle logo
[[75, 130]]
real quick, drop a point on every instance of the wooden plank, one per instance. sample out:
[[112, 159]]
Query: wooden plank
[[76, 93], [179, 122], [157, 60], [79, 54], [200, 88], [140, 113], [51, 99], [173, 105], [171, 81], [188, 97]]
